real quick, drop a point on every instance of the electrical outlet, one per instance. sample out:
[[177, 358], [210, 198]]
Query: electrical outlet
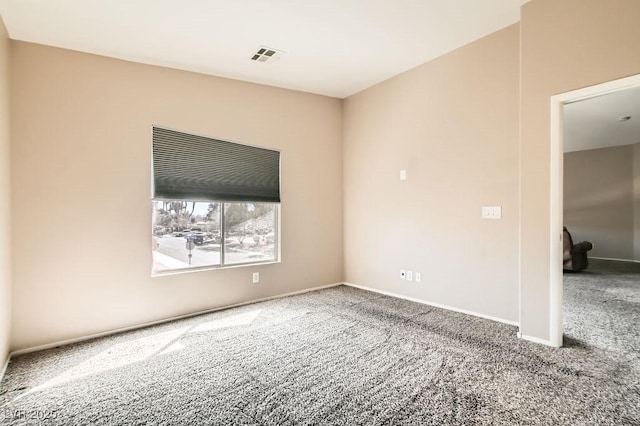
[[418, 277], [256, 277], [492, 212], [403, 274], [409, 275]]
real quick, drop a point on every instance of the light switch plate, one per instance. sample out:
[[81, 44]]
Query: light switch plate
[[409, 276], [403, 175]]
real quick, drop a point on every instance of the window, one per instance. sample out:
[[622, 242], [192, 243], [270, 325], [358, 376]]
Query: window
[[189, 234], [215, 203]]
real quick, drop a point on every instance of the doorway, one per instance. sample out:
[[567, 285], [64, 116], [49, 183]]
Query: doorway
[[558, 103]]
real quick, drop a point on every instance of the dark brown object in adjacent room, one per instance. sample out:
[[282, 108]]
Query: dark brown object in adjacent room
[[574, 257]]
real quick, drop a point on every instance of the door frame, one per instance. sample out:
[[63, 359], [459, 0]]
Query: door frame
[[557, 190]]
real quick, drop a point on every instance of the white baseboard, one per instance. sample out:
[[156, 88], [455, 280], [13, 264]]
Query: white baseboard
[[437, 305], [617, 260], [535, 340], [162, 321]]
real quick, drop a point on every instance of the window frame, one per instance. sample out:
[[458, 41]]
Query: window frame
[[222, 265]]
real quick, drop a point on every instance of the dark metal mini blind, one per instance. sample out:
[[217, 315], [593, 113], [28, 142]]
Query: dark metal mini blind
[[189, 167]]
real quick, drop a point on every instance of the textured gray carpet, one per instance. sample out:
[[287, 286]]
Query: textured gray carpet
[[339, 356], [602, 306]]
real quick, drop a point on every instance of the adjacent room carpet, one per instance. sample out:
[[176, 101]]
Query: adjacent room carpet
[[602, 306], [340, 356]]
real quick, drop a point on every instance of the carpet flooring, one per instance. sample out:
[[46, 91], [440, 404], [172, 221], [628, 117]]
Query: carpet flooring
[[602, 306], [342, 356]]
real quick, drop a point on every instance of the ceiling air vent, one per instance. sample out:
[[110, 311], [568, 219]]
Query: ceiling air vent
[[267, 54]]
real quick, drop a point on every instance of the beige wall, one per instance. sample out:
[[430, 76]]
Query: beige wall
[[81, 190], [636, 202], [453, 125], [565, 45], [598, 200], [5, 227]]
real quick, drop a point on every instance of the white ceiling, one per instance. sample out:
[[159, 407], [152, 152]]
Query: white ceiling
[[594, 123], [334, 47]]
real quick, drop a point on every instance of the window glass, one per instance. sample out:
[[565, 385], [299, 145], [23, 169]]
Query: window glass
[[188, 234], [250, 232]]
